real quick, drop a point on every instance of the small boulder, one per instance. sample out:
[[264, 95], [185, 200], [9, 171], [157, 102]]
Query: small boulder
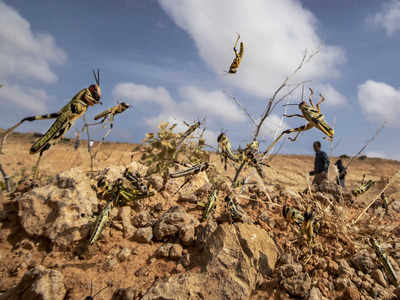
[[39, 283], [176, 222], [143, 235]]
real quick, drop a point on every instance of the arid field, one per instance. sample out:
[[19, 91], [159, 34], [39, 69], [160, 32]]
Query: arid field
[[42, 230]]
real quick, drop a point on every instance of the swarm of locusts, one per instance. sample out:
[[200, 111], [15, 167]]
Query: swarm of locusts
[[181, 156]]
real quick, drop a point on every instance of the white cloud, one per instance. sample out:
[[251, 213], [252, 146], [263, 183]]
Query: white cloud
[[193, 103], [332, 96], [139, 93], [24, 54], [388, 17], [32, 100], [272, 127], [275, 34], [214, 103], [380, 102]]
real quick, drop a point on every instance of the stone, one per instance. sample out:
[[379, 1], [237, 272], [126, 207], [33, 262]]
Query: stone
[[39, 283], [315, 294], [143, 235], [143, 219], [125, 215], [124, 254], [234, 257], [176, 222], [351, 293], [363, 263]]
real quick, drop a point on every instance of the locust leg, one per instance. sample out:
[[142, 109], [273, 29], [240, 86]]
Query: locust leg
[[298, 130], [295, 115], [273, 144], [109, 130], [30, 119], [319, 102], [234, 47], [36, 171], [310, 97]]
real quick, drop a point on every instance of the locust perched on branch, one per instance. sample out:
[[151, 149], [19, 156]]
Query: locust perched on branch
[[65, 118], [238, 56], [314, 117]]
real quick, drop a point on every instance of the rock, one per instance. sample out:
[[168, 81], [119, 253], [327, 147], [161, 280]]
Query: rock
[[124, 254], [109, 264], [203, 232], [156, 181], [65, 182], [190, 197], [39, 283], [297, 285], [143, 235], [62, 212], [344, 267], [125, 215], [234, 256], [315, 294], [143, 219], [397, 292], [163, 251], [184, 286], [176, 222], [61, 215], [173, 251], [342, 282], [351, 293], [129, 293], [363, 263], [176, 251], [289, 270], [333, 267]]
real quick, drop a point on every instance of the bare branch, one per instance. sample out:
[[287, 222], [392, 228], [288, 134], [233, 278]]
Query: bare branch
[[242, 108], [366, 144]]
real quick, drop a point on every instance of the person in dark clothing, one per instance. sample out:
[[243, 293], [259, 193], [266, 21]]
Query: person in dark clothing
[[321, 164], [342, 173]]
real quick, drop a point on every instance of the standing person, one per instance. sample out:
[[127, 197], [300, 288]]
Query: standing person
[[321, 164], [342, 173]]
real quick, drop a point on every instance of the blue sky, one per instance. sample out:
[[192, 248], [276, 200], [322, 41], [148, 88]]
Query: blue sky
[[167, 58]]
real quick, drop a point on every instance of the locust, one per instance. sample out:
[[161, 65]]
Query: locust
[[109, 114], [225, 149], [189, 172], [236, 214], [65, 118], [314, 117], [252, 157], [365, 186], [292, 215], [129, 188], [238, 56], [101, 221], [310, 226], [210, 206], [383, 258], [385, 203]]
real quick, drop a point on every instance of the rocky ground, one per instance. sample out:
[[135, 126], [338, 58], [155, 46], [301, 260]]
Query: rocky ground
[[158, 248]]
